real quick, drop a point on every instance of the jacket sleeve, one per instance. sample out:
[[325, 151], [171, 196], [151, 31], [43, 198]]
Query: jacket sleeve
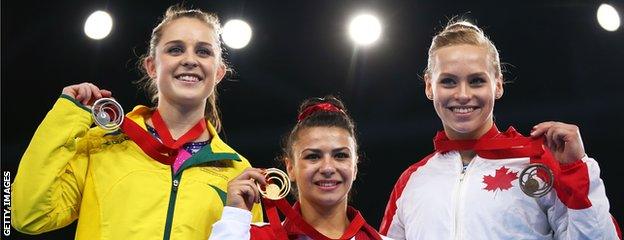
[[48, 185], [581, 210], [235, 224]]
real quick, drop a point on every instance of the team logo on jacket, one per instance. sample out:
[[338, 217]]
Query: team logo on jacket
[[501, 180]]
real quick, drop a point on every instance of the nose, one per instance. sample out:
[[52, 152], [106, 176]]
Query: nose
[[463, 92], [189, 61], [327, 168]]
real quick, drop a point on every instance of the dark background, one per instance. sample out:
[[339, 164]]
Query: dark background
[[562, 65]]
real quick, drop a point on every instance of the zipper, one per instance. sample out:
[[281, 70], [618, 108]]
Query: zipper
[[459, 195], [172, 199]]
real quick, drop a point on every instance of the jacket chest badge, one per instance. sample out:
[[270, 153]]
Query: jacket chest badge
[[501, 180]]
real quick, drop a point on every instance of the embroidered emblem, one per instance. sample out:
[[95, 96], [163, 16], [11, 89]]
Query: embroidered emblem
[[501, 179]]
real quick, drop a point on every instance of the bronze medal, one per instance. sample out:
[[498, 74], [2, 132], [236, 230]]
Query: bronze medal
[[278, 184], [536, 180]]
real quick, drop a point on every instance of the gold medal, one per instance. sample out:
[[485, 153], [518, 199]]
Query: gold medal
[[536, 180], [278, 184]]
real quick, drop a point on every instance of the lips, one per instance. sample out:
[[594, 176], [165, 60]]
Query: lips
[[327, 184], [188, 77], [463, 109]]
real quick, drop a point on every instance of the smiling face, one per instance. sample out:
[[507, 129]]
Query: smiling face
[[186, 64], [324, 165], [463, 86]]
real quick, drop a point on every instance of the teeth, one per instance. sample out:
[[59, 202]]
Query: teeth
[[188, 78], [463, 109], [327, 183]]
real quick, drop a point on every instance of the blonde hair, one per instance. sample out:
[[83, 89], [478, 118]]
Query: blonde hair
[[173, 13], [463, 32]]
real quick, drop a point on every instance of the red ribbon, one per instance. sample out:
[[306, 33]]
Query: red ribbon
[[358, 227], [166, 151], [328, 107], [496, 145], [165, 135]]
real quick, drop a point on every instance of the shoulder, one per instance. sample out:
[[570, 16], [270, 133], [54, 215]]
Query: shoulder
[[413, 168]]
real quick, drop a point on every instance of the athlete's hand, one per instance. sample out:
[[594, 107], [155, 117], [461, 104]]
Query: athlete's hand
[[86, 93], [242, 190], [563, 140]]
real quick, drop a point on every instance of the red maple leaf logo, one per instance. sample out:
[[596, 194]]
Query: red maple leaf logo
[[501, 180]]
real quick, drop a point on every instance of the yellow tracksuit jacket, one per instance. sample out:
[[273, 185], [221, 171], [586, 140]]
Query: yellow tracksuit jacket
[[71, 171]]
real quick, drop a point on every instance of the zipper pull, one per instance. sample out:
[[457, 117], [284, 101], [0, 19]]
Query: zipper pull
[[175, 185]]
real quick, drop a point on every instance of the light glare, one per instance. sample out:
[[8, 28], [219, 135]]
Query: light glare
[[236, 34], [98, 25], [608, 17], [365, 29]]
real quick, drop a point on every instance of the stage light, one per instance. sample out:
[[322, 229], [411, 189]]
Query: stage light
[[608, 17], [98, 25], [236, 33], [364, 29]]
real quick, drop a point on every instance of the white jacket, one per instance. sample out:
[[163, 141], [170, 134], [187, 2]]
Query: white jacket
[[436, 199]]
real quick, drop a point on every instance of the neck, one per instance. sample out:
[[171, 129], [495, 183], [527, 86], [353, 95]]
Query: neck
[[468, 155], [329, 221], [180, 119]]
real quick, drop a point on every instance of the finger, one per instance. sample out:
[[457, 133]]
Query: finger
[[251, 193], [253, 173], [549, 138], [95, 91], [82, 94], [106, 93], [562, 136], [539, 129]]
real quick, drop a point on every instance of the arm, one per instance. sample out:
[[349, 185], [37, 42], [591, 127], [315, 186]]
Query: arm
[[235, 224], [242, 198], [581, 210], [47, 190], [51, 175]]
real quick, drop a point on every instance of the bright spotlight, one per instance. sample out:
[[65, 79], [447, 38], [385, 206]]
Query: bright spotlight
[[608, 17], [236, 33], [98, 25], [365, 29]]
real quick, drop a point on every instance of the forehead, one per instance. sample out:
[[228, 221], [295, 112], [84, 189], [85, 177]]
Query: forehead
[[323, 137], [471, 57], [188, 30]]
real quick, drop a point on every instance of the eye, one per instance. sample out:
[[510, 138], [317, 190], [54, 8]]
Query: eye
[[477, 81], [342, 155], [312, 156], [175, 50], [204, 52], [448, 82]]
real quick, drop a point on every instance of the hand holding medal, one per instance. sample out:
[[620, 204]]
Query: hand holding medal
[[106, 112]]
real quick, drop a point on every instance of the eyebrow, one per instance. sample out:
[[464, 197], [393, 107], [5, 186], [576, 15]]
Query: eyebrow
[[477, 74], [315, 150], [180, 42]]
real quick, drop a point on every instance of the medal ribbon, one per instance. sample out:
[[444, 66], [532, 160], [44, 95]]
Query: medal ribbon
[[167, 151], [357, 228], [165, 135], [495, 145]]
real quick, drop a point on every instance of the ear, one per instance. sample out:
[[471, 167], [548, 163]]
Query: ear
[[150, 67], [499, 88], [356, 168], [428, 87], [290, 169], [221, 70]]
